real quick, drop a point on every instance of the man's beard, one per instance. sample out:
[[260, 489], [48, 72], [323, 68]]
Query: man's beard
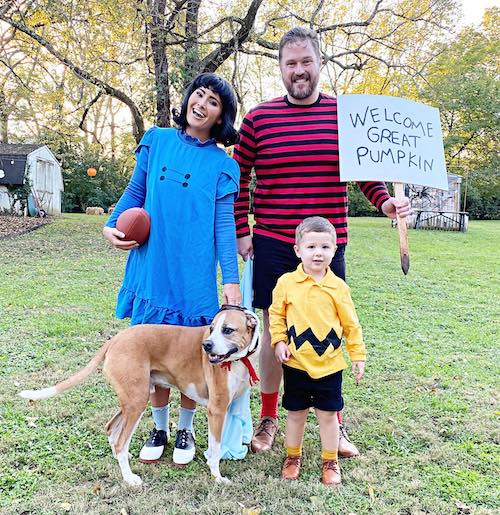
[[298, 91]]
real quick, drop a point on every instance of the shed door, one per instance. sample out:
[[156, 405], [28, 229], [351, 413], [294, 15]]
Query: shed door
[[45, 184]]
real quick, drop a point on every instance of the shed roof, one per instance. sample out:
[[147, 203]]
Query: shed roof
[[18, 149], [13, 159]]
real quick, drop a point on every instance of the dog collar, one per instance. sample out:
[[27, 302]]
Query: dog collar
[[250, 349], [253, 379]]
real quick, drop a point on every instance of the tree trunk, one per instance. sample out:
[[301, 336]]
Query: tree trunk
[[158, 36], [4, 119], [112, 128], [192, 55]]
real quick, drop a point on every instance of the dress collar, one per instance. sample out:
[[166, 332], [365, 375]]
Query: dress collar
[[190, 140]]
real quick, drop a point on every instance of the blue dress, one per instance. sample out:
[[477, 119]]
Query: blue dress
[[172, 278]]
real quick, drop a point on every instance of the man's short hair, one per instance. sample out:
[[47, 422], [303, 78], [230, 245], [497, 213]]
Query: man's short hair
[[314, 224], [300, 34]]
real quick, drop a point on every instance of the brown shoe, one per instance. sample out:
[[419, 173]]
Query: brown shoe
[[291, 468], [346, 448], [331, 473], [263, 437]]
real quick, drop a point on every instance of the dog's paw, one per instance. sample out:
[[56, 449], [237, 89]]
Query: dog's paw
[[133, 480], [223, 480]]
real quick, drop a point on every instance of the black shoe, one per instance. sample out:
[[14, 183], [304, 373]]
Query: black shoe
[[153, 448], [184, 447]]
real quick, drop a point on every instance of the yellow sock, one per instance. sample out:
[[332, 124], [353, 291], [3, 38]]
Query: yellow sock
[[329, 455], [294, 451]]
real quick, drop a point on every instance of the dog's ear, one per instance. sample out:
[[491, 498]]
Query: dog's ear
[[251, 321]]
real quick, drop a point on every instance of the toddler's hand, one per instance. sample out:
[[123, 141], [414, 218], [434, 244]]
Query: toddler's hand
[[282, 352], [358, 369]]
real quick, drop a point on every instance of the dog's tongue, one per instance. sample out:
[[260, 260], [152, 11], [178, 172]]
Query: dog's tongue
[[216, 358]]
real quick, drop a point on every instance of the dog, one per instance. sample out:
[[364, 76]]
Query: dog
[[208, 364]]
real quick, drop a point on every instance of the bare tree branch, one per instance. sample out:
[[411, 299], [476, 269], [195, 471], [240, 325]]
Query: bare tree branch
[[215, 58], [138, 121]]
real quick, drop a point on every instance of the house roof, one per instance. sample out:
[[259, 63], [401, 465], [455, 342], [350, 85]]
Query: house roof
[[18, 149]]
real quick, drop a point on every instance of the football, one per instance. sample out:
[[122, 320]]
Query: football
[[135, 224]]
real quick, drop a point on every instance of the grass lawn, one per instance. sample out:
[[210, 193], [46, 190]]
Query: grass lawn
[[425, 417]]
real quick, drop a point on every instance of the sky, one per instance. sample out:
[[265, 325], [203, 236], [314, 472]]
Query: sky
[[474, 9]]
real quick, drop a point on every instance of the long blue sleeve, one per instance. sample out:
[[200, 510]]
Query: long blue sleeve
[[225, 239], [135, 192]]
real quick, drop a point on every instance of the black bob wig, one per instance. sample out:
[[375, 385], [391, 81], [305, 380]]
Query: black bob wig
[[223, 132]]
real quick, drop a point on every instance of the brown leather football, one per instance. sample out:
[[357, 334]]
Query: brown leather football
[[135, 224]]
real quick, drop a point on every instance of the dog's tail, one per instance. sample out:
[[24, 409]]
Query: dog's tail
[[82, 374]]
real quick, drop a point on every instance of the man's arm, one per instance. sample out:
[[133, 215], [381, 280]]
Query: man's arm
[[377, 194], [244, 154]]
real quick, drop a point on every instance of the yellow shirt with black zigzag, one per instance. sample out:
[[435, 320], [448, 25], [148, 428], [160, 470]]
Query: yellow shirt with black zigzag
[[312, 317]]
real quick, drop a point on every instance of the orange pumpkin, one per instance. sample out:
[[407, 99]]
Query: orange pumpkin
[[91, 172]]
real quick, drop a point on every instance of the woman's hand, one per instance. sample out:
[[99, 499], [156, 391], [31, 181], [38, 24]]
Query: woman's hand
[[115, 237], [231, 294]]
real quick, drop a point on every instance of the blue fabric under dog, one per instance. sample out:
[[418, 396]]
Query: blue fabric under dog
[[238, 427]]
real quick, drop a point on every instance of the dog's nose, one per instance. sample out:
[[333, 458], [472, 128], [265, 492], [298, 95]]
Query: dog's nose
[[208, 345]]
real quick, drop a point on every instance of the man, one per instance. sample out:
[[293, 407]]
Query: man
[[292, 144]]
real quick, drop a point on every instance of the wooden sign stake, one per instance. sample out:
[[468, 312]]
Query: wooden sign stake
[[399, 193]]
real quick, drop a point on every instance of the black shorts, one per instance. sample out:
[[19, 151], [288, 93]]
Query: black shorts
[[303, 392], [272, 259]]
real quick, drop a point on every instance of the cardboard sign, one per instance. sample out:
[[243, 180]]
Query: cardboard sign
[[390, 139]]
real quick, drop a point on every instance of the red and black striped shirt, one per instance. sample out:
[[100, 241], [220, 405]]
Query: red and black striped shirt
[[295, 153]]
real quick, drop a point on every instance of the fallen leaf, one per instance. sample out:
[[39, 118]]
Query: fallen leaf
[[66, 506], [251, 511], [123, 511], [31, 421], [371, 493], [97, 489], [462, 507]]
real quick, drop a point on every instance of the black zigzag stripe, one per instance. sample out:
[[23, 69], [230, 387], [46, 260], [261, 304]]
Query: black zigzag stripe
[[320, 347]]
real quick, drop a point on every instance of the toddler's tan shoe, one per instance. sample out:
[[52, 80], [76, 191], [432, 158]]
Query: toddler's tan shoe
[[331, 473], [291, 468]]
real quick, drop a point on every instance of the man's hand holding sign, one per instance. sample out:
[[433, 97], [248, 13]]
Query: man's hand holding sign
[[391, 139]]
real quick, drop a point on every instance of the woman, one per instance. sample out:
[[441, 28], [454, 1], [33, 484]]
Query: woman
[[188, 185]]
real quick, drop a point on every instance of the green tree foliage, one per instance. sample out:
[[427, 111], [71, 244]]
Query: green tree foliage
[[464, 84], [80, 190]]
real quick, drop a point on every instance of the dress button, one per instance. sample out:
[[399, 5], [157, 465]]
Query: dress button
[[162, 177], [164, 169], [187, 176], [184, 184]]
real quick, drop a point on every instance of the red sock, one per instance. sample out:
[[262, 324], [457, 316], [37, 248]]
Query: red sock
[[269, 404], [339, 417]]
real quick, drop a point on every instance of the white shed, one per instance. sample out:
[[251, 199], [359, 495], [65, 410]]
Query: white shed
[[437, 209], [36, 163]]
